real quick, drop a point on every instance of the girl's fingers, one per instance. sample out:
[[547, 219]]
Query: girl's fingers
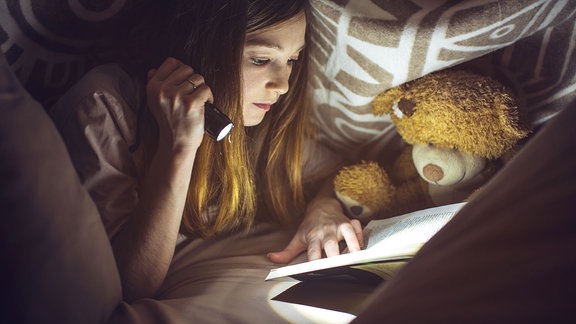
[[350, 236], [314, 251], [173, 77], [166, 69], [180, 76], [195, 81], [358, 231], [331, 246], [291, 251]]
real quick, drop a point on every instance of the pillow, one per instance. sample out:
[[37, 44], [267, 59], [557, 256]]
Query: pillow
[[363, 47], [57, 262]]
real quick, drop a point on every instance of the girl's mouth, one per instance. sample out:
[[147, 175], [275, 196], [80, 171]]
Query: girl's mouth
[[262, 106]]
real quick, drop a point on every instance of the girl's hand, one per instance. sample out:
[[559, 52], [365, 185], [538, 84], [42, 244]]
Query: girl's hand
[[322, 228], [176, 97]]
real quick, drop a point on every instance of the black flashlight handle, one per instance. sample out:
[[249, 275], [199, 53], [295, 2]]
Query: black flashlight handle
[[216, 124]]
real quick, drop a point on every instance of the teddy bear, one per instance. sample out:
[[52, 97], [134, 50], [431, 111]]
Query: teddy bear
[[459, 128]]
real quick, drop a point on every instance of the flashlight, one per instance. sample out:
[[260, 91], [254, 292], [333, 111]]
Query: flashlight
[[216, 124]]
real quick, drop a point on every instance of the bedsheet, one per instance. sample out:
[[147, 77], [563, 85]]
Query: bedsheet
[[222, 281]]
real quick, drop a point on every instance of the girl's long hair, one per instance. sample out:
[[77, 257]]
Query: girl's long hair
[[256, 172]]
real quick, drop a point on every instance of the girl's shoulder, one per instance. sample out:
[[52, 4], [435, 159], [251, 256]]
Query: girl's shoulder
[[107, 79], [106, 92]]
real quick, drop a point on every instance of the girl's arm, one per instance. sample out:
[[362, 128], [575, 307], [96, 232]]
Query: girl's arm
[[145, 245]]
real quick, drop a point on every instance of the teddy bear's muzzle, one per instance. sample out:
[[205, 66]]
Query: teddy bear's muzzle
[[432, 172]]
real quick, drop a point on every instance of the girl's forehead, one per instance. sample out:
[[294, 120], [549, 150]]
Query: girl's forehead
[[288, 36], [292, 22]]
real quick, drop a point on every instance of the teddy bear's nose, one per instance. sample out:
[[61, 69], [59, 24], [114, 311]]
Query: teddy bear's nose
[[433, 172], [356, 210]]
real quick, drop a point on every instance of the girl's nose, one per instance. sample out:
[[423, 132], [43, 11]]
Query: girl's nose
[[278, 81]]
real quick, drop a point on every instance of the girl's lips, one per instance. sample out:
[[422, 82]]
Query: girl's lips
[[262, 106]]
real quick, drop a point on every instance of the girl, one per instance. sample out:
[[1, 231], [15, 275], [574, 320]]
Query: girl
[[138, 141]]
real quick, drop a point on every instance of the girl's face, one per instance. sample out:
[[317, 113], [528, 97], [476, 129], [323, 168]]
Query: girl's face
[[267, 64]]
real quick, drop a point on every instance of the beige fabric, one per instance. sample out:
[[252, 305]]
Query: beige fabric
[[97, 119]]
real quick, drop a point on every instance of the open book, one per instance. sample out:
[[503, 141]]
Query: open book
[[389, 244]]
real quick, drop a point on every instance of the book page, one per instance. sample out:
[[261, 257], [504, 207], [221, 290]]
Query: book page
[[389, 239], [415, 228]]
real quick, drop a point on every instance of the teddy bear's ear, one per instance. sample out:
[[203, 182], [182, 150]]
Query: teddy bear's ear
[[385, 101], [514, 125], [513, 121]]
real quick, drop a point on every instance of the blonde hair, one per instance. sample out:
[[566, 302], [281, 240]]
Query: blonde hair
[[258, 172]]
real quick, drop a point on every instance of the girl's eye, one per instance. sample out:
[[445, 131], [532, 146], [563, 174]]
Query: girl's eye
[[292, 60], [259, 61]]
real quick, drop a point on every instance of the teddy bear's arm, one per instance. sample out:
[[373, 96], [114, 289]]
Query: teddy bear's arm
[[412, 195], [403, 168]]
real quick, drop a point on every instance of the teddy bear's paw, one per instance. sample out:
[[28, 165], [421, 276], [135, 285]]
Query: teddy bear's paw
[[364, 189], [355, 209]]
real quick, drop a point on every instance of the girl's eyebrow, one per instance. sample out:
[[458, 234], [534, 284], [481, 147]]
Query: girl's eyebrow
[[262, 43]]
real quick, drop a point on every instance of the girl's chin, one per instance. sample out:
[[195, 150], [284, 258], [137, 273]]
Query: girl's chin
[[253, 121]]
